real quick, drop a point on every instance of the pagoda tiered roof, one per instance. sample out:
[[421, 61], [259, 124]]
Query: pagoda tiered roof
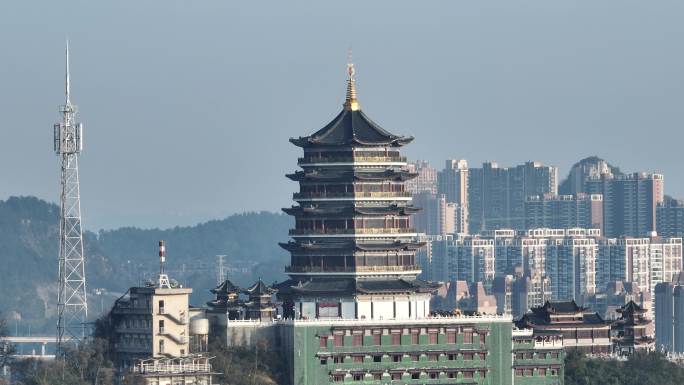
[[314, 211], [347, 286], [390, 174], [351, 128], [337, 247]]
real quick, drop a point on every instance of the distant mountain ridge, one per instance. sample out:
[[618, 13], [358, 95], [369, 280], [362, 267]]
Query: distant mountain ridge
[[116, 259]]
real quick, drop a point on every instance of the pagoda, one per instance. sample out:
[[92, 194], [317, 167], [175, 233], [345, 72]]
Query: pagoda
[[353, 248], [631, 331]]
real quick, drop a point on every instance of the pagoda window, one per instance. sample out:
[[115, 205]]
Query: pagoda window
[[323, 341]]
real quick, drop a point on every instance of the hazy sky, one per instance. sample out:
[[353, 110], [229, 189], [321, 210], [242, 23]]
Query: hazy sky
[[188, 105]]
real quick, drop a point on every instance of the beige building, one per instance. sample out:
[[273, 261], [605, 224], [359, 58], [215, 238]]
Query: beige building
[[156, 321]]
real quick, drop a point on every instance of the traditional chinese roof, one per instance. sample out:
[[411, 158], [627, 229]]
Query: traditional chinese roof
[[315, 210], [561, 307], [631, 309], [346, 286], [351, 127], [346, 175], [226, 287], [349, 245], [259, 289]]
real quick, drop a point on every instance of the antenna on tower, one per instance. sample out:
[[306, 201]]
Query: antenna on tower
[[164, 282], [72, 304]]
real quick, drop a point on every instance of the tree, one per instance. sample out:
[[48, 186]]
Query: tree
[[6, 348]]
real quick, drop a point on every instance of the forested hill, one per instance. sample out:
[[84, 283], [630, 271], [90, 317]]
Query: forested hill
[[118, 259]]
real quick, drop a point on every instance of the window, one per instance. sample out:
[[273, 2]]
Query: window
[[161, 326], [358, 377], [468, 356], [396, 376], [432, 338], [323, 341], [358, 359], [339, 340], [468, 337], [433, 375], [377, 376], [528, 372], [542, 371], [483, 338], [357, 339], [519, 356], [554, 372], [338, 359], [376, 337], [396, 339], [415, 336], [396, 358], [529, 356], [338, 378], [377, 358], [324, 361], [451, 337], [161, 307], [452, 356], [161, 346], [415, 376], [518, 372], [451, 374], [482, 356], [467, 374]]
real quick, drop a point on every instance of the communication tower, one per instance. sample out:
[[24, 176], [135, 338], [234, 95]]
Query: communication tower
[[72, 307]]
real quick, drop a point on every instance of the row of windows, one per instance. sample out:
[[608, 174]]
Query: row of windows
[[466, 356], [539, 355], [414, 375], [376, 340], [541, 372]]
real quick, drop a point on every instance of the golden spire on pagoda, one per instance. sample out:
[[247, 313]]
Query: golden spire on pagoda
[[351, 103]]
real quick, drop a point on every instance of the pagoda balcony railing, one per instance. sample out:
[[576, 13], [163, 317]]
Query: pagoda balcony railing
[[372, 194], [352, 231], [350, 159], [348, 269]]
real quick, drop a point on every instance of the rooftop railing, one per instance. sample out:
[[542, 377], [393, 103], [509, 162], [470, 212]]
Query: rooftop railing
[[349, 269], [350, 159], [333, 231], [370, 194]]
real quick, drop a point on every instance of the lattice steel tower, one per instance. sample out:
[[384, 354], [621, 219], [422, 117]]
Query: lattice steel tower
[[72, 306]]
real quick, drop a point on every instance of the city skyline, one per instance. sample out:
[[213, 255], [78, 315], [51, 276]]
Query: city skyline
[[473, 92]]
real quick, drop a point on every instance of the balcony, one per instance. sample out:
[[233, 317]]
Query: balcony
[[352, 159], [371, 231], [349, 269], [360, 194]]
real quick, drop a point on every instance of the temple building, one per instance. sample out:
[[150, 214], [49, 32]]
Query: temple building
[[631, 331], [580, 329], [353, 251]]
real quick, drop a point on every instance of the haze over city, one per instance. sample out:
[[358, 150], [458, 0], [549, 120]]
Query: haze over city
[[188, 106]]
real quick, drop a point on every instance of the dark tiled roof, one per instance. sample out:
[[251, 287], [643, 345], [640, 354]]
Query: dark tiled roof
[[351, 128], [351, 286], [225, 287], [259, 288], [562, 307]]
